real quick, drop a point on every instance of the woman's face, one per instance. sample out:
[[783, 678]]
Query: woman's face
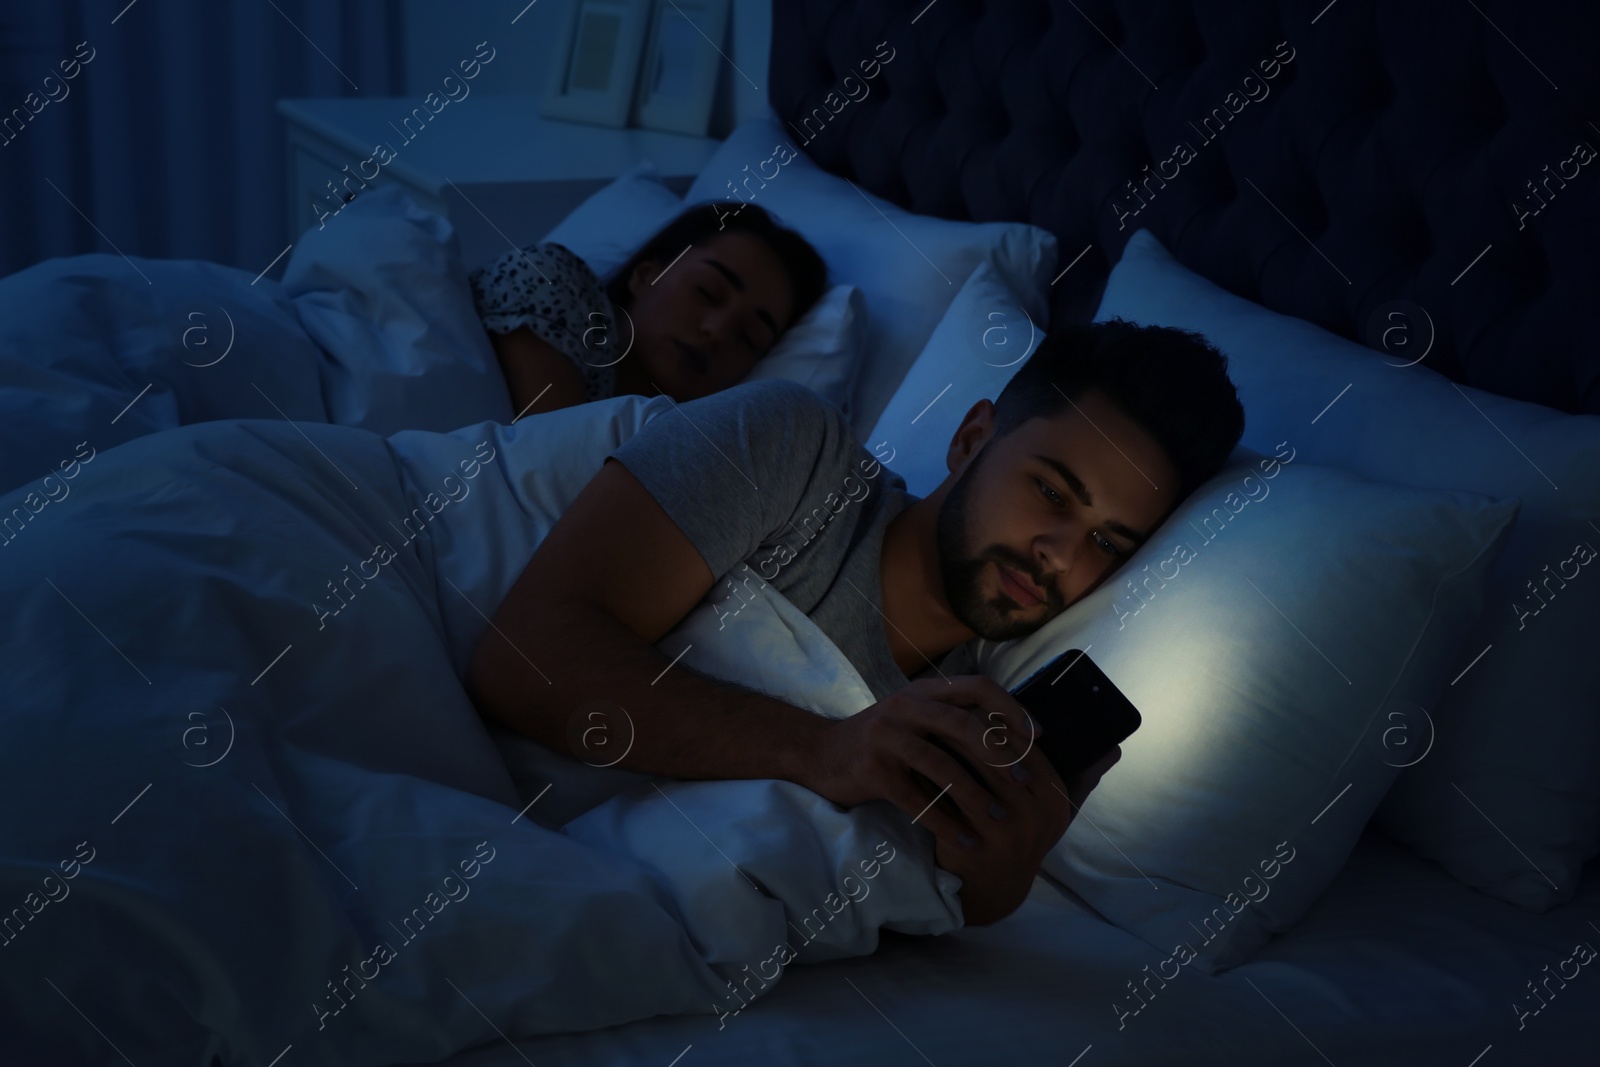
[[702, 321]]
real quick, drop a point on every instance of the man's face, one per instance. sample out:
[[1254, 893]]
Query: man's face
[[1058, 504]]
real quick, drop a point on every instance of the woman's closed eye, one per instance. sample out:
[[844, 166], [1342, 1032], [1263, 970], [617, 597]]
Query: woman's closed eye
[[714, 294]]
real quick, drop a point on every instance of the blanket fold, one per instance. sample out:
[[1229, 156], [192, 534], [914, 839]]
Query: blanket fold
[[372, 326], [252, 807]]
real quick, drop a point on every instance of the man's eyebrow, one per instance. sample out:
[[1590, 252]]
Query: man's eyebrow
[[738, 285], [1081, 491]]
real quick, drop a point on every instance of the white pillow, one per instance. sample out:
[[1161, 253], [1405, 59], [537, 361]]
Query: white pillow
[[1264, 633], [908, 266], [986, 335], [1507, 797], [605, 229], [823, 350]]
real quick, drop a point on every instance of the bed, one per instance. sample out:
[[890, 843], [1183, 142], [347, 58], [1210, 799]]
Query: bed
[[232, 775], [1396, 150]]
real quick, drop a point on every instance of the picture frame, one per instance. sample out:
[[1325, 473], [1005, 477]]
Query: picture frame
[[596, 62], [681, 67]]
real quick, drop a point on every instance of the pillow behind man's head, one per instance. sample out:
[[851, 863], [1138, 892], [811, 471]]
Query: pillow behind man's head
[[1266, 634], [1265, 641], [1503, 785]]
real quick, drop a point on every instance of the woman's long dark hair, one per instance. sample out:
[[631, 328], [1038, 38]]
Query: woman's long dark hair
[[808, 274]]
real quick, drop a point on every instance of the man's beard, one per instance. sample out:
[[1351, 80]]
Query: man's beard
[[993, 618]]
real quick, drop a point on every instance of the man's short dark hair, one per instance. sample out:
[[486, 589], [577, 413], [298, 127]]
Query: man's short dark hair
[[1173, 383]]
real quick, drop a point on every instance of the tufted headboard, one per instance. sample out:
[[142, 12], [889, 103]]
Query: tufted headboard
[[1341, 159]]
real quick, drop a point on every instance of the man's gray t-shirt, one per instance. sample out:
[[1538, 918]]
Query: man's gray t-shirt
[[769, 484]]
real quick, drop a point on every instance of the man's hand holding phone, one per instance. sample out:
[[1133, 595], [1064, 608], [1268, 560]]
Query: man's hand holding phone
[[1003, 819]]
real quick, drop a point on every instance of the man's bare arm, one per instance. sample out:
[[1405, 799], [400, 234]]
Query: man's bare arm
[[613, 577]]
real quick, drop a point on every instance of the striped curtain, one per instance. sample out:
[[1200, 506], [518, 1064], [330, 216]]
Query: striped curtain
[[150, 127]]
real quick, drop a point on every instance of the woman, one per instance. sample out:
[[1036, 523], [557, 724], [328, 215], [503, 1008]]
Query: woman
[[690, 313]]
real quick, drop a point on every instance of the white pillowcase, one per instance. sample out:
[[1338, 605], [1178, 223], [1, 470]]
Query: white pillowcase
[[1264, 633], [1507, 797], [606, 228], [986, 335], [823, 350], [908, 266]]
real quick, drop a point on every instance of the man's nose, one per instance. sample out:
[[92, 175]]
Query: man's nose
[[1053, 557]]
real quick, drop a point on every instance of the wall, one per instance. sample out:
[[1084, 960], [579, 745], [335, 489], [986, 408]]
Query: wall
[[437, 33]]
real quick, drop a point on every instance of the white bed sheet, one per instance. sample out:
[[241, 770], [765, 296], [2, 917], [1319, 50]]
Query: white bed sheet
[[1397, 964]]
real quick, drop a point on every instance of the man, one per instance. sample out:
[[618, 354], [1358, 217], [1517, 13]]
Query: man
[[1091, 445]]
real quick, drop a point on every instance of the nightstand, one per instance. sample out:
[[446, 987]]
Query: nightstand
[[499, 171]]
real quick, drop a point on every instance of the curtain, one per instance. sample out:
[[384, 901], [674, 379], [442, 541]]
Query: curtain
[[166, 142]]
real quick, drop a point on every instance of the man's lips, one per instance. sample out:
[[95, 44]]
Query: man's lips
[[1019, 588]]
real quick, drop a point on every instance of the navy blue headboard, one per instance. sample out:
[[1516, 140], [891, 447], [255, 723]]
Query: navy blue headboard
[[1435, 152]]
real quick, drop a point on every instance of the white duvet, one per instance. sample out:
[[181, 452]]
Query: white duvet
[[251, 812], [372, 326]]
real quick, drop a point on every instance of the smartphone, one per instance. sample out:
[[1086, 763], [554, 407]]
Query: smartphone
[[1082, 716]]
